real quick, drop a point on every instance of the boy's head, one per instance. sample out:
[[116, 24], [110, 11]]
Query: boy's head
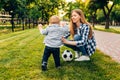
[[54, 19]]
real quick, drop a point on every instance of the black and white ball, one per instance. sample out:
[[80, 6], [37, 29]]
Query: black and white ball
[[67, 55]]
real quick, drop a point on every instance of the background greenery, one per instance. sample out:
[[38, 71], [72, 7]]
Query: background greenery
[[29, 13]]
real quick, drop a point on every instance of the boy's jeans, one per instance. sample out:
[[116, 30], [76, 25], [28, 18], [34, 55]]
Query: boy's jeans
[[80, 48], [47, 53]]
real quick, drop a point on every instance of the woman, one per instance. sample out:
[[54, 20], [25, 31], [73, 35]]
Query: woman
[[81, 32]]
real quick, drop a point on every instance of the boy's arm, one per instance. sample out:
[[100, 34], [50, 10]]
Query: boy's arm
[[40, 28], [42, 31]]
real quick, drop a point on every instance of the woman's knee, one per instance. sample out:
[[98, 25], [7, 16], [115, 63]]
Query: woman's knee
[[77, 37]]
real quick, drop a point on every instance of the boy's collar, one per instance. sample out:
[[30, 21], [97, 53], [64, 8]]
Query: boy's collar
[[53, 24]]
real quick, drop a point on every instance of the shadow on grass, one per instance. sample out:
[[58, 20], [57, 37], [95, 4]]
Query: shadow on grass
[[100, 67]]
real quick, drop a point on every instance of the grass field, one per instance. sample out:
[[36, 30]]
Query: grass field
[[20, 59], [5, 29], [111, 29]]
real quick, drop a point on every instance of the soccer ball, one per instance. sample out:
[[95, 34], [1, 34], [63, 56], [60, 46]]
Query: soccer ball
[[67, 55]]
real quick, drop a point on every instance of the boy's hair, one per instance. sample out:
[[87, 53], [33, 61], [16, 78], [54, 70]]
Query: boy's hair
[[54, 19]]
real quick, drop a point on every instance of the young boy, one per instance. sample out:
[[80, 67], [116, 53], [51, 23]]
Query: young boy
[[52, 40]]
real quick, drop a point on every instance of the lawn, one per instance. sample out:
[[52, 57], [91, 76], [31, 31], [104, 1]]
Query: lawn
[[20, 59], [111, 29]]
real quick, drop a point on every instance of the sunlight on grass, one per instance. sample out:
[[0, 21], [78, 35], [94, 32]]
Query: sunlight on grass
[[112, 29], [21, 54]]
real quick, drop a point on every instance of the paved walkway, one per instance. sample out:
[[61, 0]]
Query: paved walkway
[[109, 43]]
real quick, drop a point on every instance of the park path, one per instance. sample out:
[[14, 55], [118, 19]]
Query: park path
[[109, 43]]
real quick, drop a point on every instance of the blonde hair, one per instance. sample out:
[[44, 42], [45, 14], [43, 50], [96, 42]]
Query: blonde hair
[[82, 20], [54, 19]]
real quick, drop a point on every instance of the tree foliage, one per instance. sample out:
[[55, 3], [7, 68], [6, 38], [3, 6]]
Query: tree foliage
[[42, 9], [115, 15], [32, 9], [106, 7]]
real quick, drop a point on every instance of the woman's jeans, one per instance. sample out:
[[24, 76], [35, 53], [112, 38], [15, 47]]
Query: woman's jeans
[[80, 48], [56, 55]]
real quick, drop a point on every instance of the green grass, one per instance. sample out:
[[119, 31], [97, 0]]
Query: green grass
[[20, 59], [111, 29], [5, 29]]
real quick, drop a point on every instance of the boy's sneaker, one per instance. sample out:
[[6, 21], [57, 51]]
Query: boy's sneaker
[[83, 58], [44, 68], [58, 67]]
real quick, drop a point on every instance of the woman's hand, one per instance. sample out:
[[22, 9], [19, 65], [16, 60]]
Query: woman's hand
[[64, 40]]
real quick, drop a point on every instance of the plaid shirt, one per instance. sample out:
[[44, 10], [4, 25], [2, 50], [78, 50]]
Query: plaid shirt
[[90, 44]]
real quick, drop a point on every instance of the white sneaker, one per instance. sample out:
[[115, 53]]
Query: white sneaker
[[77, 54], [83, 58]]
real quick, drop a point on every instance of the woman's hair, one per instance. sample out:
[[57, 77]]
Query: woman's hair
[[54, 19], [82, 20]]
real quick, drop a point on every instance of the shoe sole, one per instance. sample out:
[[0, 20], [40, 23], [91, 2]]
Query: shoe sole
[[44, 68], [82, 60]]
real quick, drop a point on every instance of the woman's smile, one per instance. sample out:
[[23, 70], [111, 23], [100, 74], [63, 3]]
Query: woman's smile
[[75, 17]]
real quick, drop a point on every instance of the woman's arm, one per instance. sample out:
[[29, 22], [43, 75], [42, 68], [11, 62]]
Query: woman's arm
[[81, 42], [84, 35], [65, 41]]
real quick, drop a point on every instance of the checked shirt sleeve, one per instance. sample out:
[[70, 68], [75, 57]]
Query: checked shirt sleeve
[[84, 34], [66, 35]]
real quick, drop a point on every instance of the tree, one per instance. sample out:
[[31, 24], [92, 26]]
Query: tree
[[115, 15], [73, 5], [100, 17], [107, 7], [21, 11], [92, 9], [31, 9], [10, 6], [16, 7], [34, 14]]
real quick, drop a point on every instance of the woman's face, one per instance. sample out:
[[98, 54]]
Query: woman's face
[[75, 17]]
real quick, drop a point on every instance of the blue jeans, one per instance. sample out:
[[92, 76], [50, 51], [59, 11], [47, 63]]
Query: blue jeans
[[80, 48], [56, 55]]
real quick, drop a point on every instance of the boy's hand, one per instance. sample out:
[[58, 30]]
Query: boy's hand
[[40, 26], [62, 23]]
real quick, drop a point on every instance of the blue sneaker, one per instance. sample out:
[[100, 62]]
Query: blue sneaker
[[44, 66]]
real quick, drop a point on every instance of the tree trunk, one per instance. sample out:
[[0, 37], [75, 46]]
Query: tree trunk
[[23, 26], [36, 22], [33, 23], [107, 23], [29, 23], [93, 25], [12, 22], [25, 22], [107, 14]]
